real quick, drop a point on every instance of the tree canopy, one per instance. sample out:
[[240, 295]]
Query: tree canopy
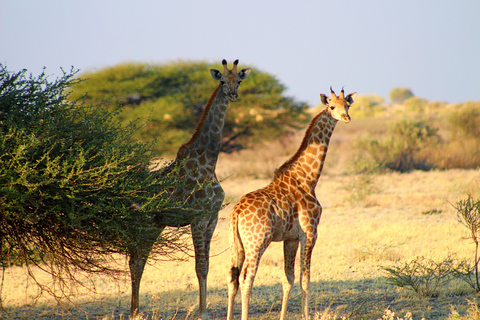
[[169, 98], [399, 95], [69, 174]]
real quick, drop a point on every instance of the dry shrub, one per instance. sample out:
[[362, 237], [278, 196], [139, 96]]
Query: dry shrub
[[422, 275], [401, 149], [456, 154]]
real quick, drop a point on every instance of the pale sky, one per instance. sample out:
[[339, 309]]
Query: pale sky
[[431, 47]]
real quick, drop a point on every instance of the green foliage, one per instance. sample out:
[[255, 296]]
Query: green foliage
[[69, 174], [401, 149], [422, 275], [399, 95], [168, 100]]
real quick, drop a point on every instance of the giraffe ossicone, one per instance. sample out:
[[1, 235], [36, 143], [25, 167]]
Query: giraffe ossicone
[[285, 210], [199, 158]]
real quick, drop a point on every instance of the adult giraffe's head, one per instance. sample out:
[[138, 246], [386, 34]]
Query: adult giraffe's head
[[338, 105], [230, 79]]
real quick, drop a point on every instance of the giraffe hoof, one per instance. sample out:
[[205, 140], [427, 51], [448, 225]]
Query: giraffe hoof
[[203, 316]]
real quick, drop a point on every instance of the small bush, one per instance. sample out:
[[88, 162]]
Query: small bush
[[422, 275], [468, 214], [402, 149], [465, 122]]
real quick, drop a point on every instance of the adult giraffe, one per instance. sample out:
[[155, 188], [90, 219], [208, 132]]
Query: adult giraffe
[[199, 157], [285, 210]]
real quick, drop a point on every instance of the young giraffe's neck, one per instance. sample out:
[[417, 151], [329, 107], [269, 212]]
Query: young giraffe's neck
[[207, 137], [306, 165]]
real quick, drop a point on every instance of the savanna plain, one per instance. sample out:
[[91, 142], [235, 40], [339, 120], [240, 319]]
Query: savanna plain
[[371, 220]]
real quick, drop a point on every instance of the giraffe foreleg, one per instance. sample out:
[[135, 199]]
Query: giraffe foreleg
[[306, 255], [136, 264], [289, 251], [202, 235]]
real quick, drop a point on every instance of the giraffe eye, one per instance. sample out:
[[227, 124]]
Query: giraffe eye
[[222, 82], [332, 107]]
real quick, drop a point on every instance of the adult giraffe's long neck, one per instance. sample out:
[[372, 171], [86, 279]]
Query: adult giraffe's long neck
[[306, 165], [207, 137]]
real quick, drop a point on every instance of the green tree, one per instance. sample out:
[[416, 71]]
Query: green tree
[[399, 95], [169, 98], [69, 175]]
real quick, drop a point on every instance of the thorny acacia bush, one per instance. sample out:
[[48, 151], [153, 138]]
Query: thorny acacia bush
[[69, 174], [422, 275]]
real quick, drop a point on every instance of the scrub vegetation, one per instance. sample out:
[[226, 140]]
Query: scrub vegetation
[[398, 237]]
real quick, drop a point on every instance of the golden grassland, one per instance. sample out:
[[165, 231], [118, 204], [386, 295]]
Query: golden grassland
[[368, 222]]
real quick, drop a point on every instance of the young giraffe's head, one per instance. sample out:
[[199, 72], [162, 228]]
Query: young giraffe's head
[[338, 106], [230, 79]]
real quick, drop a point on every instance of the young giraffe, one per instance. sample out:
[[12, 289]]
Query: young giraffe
[[285, 210], [199, 156]]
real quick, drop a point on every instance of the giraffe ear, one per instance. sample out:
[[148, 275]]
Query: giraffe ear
[[244, 73], [324, 99], [216, 75], [351, 97]]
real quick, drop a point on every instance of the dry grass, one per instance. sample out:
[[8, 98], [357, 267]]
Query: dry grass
[[399, 217], [409, 216]]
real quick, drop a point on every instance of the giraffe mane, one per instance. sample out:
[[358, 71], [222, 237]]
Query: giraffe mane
[[284, 167], [201, 122]]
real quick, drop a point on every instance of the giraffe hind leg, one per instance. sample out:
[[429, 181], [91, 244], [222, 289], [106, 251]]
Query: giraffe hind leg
[[233, 278]]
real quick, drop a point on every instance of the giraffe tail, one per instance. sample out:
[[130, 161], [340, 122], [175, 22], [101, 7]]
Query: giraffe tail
[[237, 252]]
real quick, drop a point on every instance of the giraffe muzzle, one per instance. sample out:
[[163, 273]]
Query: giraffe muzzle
[[233, 97], [345, 118]]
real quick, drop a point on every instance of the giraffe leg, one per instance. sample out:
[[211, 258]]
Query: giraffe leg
[[249, 271], [247, 277], [137, 265], [306, 255], [202, 235], [233, 284], [237, 257], [289, 251]]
